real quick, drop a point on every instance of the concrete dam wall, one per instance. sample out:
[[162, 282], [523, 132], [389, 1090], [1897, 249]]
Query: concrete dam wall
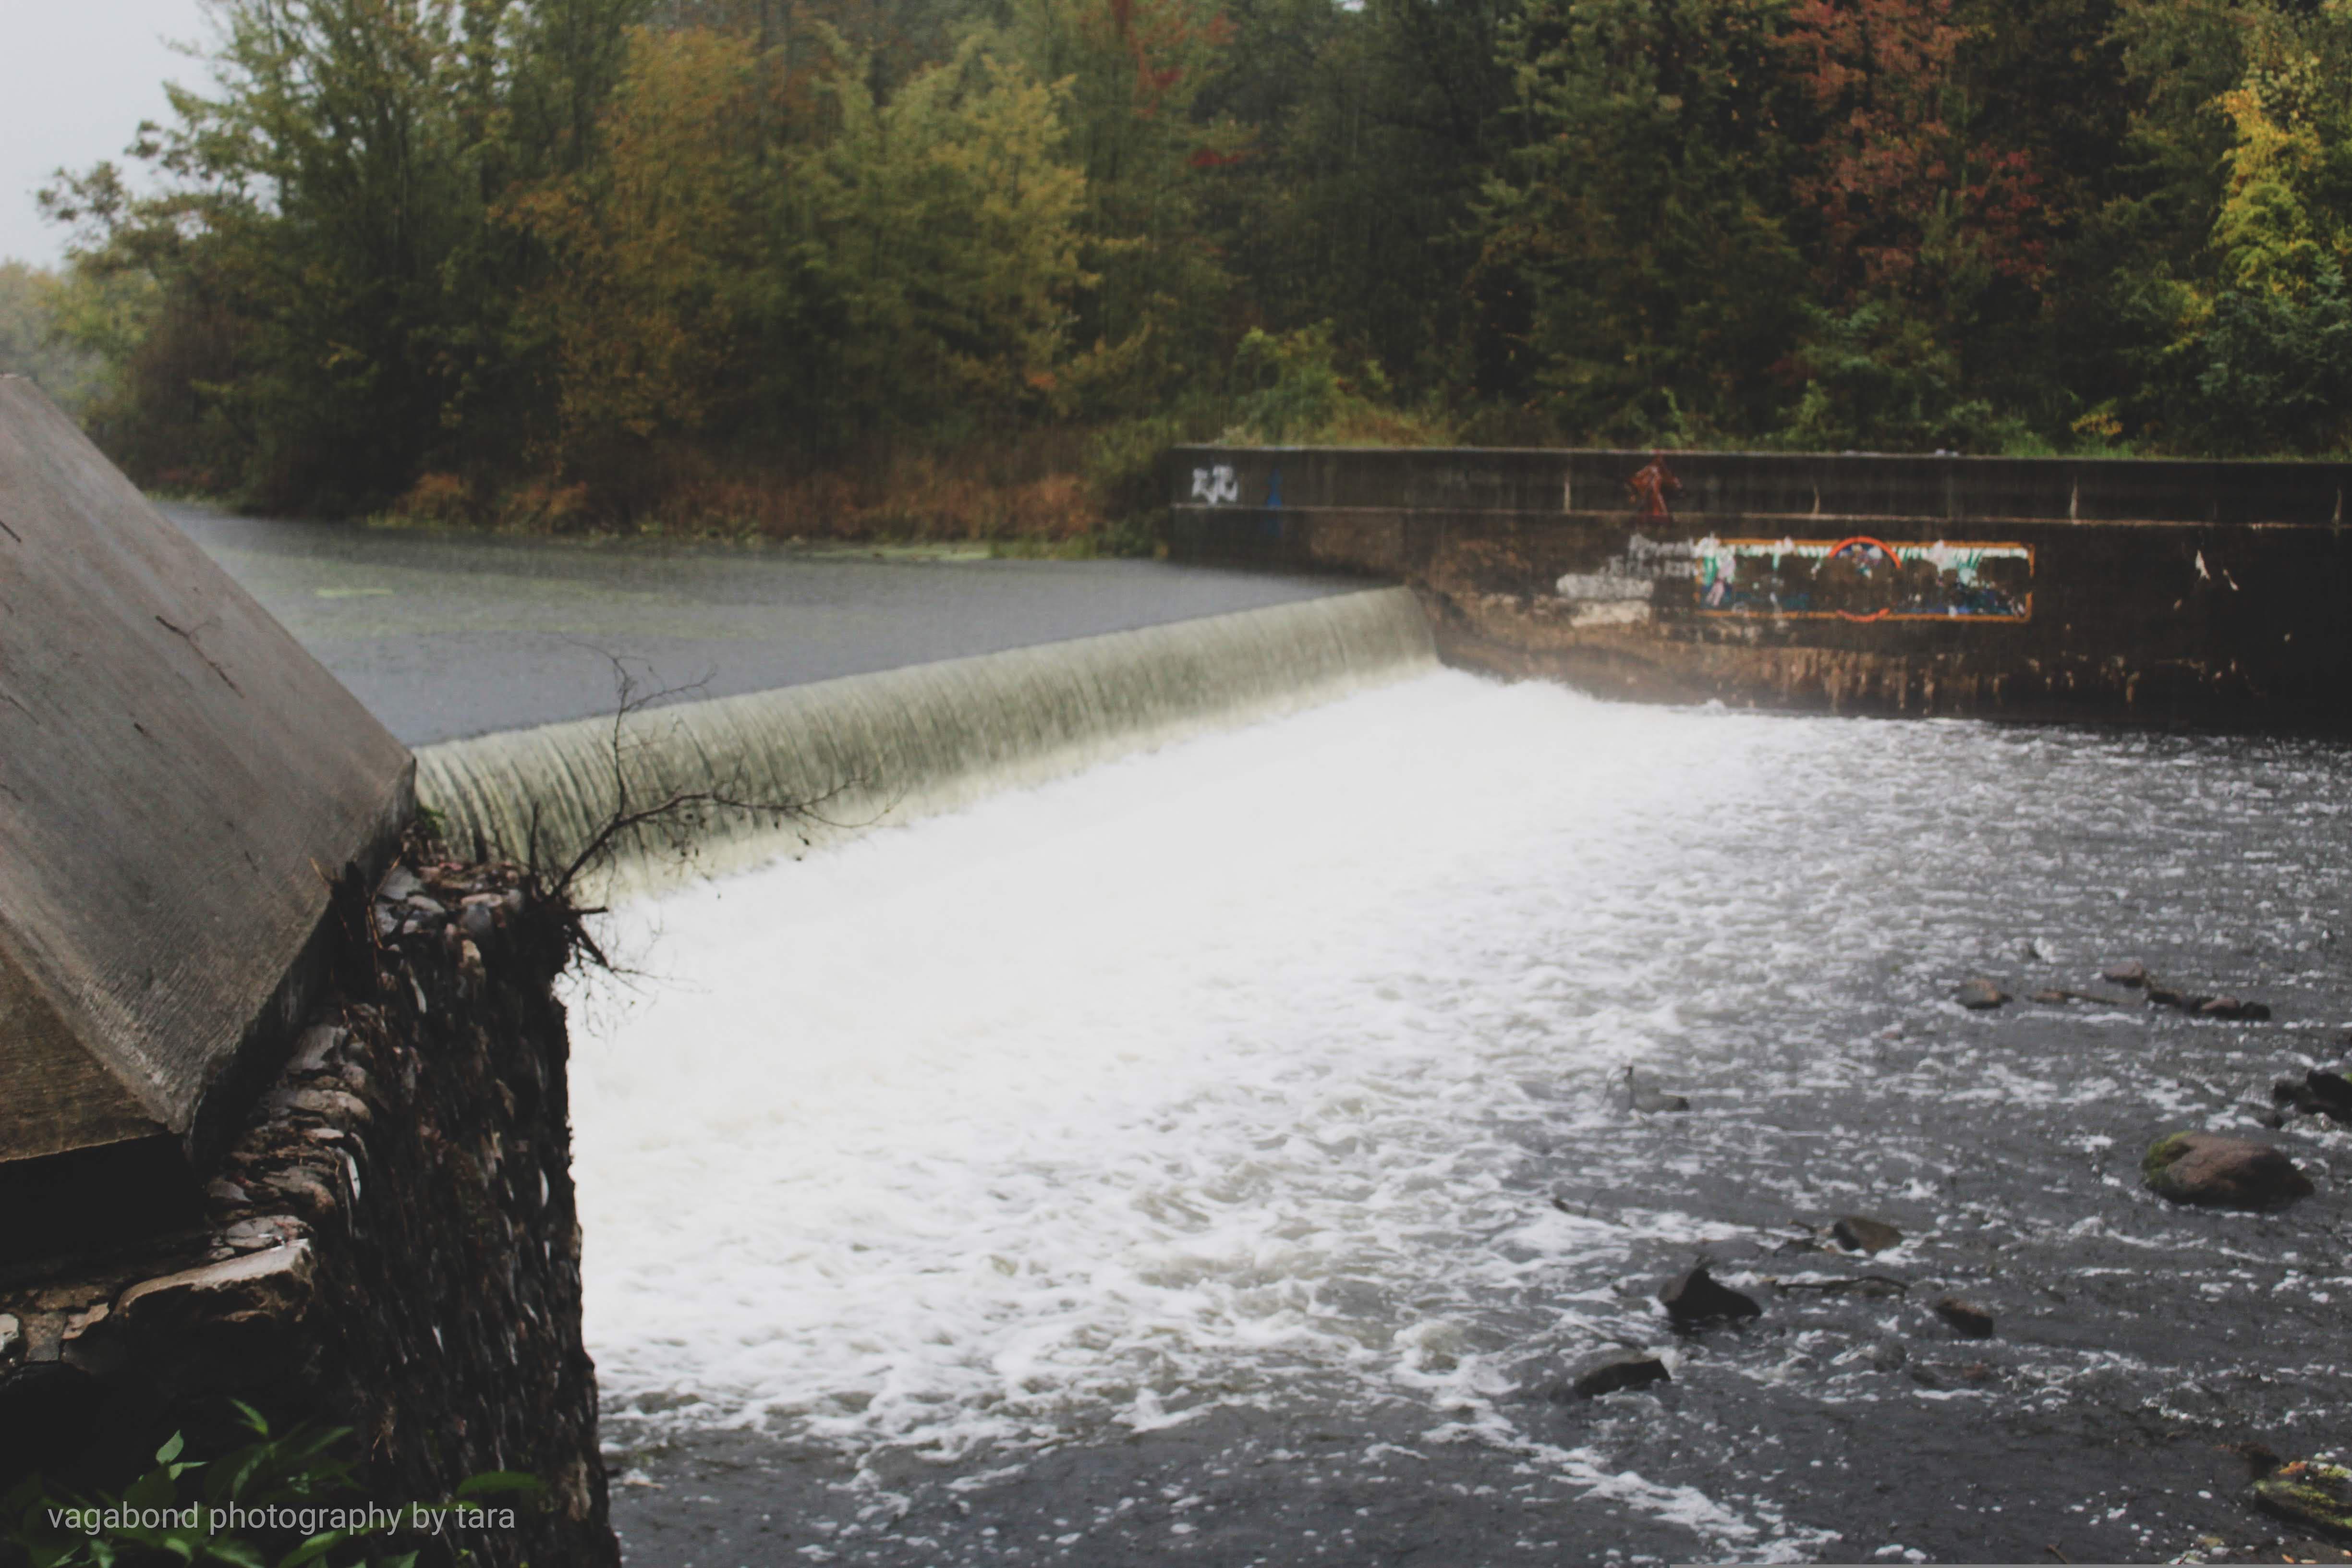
[[870, 751], [2044, 588]]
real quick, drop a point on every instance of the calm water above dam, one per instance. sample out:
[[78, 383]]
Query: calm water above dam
[[446, 635], [1220, 1157]]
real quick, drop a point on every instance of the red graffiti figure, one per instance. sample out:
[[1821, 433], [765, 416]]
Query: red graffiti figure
[[1652, 485]]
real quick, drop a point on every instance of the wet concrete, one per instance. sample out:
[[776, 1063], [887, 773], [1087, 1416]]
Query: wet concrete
[[449, 635]]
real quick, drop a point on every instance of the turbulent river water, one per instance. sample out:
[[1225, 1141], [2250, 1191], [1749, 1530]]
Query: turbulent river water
[[1224, 1157]]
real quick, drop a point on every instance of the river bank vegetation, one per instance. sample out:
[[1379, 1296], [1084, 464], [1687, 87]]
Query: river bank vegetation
[[963, 268]]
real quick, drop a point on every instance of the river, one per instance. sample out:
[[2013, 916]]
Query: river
[[1223, 1157], [446, 635]]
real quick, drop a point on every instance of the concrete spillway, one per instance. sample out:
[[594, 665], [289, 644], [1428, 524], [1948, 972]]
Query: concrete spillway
[[875, 749]]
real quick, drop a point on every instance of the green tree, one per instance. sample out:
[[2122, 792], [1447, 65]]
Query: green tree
[[758, 252], [32, 340], [2261, 349], [1644, 216]]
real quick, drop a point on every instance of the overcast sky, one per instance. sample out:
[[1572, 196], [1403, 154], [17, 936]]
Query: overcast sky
[[76, 78]]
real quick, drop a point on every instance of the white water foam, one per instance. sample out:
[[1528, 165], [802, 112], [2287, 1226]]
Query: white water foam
[[1125, 1090], [1161, 1088]]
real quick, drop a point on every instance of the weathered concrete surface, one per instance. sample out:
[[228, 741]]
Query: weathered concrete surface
[[392, 1246], [181, 784], [2162, 592]]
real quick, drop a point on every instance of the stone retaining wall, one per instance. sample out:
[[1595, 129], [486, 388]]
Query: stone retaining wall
[[389, 1244]]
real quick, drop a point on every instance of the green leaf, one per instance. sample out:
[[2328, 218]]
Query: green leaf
[[153, 1490], [317, 1547], [172, 1449]]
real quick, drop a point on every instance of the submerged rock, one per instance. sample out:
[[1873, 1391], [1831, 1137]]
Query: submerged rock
[[1651, 1101], [2331, 1093], [1697, 1298], [1859, 1233], [2231, 1007], [1967, 1320], [2221, 1173], [2313, 1495], [1619, 1374], [2321, 1093], [1979, 995]]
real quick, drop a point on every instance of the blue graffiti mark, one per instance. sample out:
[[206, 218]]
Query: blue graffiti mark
[[1273, 489]]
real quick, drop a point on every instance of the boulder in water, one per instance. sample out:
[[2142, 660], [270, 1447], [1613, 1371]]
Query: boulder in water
[[1859, 1233], [2131, 972], [2221, 1173], [1618, 1373], [2321, 1093], [2329, 1093], [1967, 1320], [2231, 1007], [2309, 1493], [1697, 1298], [1980, 995]]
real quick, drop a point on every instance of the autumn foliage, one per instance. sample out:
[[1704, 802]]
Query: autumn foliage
[[965, 266]]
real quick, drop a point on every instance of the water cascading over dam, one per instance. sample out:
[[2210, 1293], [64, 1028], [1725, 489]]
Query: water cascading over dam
[[888, 748], [1224, 1154]]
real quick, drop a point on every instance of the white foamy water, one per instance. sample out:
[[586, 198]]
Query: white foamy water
[[1256, 1060], [1127, 1089]]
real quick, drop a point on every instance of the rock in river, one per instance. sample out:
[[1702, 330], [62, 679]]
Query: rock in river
[[1620, 1372], [2321, 1093], [1969, 1320], [1696, 1297], [2315, 1496], [2133, 973], [2222, 1172], [1979, 995], [1859, 1233]]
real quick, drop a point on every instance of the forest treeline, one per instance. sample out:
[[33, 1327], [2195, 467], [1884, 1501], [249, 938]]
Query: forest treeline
[[966, 266]]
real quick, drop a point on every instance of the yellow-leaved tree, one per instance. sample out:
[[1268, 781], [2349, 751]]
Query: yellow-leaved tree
[[767, 252]]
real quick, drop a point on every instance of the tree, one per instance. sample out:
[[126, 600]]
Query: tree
[[761, 249], [1644, 215], [31, 341]]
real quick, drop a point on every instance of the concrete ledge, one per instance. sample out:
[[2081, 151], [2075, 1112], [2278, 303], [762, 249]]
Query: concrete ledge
[[1790, 486]]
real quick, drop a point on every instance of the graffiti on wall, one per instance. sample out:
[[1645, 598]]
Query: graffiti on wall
[[1864, 579], [1217, 485]]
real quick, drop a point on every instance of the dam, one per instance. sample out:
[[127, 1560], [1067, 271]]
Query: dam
[[1172, 1094], [1179, 1116], [1187, 1120]]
